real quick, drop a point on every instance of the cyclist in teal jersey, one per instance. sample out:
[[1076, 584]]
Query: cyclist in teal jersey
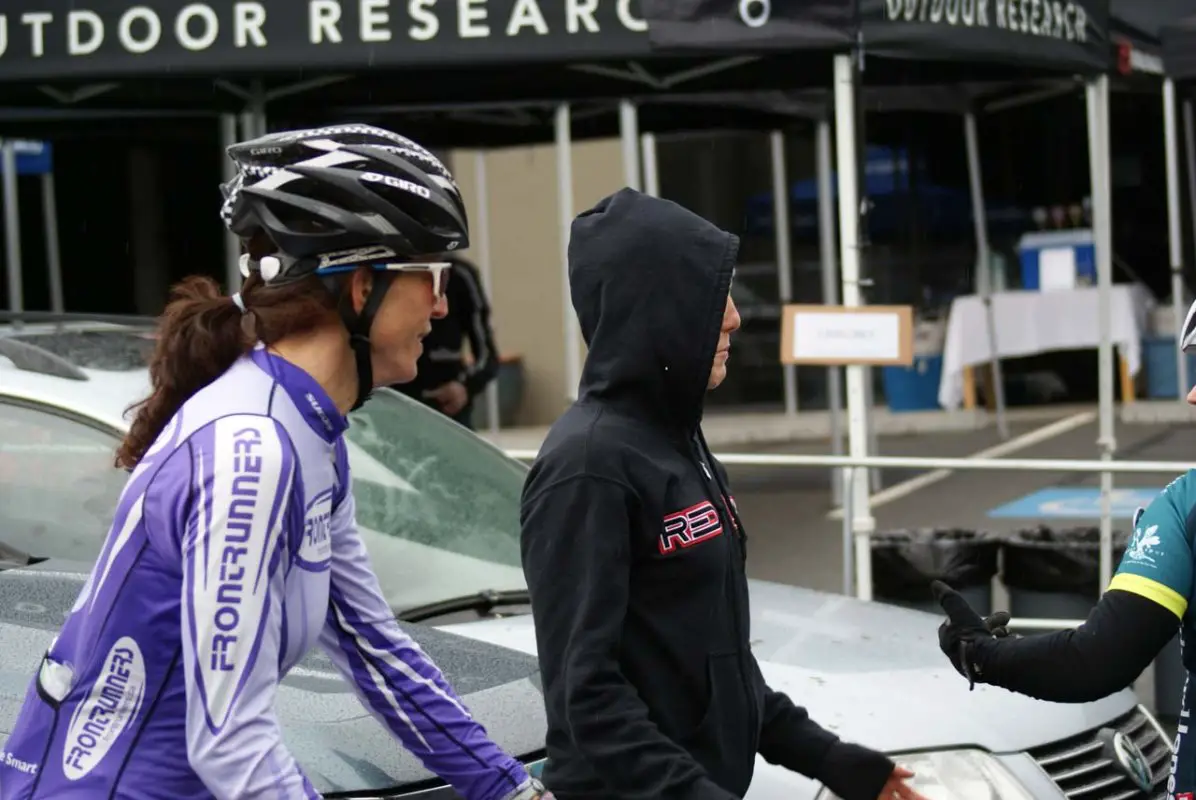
[[1147, 602]]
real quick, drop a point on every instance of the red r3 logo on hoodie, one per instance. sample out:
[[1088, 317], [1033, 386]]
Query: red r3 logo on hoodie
[[690, 526]]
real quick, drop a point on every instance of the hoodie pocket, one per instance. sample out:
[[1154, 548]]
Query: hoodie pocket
[[724, 742]]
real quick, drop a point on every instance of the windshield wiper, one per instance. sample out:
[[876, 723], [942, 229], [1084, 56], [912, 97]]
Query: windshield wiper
[[12, 558], [483, 602]]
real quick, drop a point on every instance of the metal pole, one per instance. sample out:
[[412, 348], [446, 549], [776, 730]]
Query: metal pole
[[984, 264], [232, 243], [53, 253], [780, 222], [12, 226], [1190, 153], [651, 171], [564, 177], [480, 239], [830, 291], [821, 461], [258, 107], [848, 534], [1098, 149], [629, 135], [248, 125], [849, 219], [1175, 233]]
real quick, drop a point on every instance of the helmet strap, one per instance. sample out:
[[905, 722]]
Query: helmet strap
[[358, 325]]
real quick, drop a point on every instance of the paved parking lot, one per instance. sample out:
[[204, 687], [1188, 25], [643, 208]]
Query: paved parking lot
[[794, 540]]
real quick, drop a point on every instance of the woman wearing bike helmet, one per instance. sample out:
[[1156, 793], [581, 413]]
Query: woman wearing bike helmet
[[1147, 602], [234, 548]]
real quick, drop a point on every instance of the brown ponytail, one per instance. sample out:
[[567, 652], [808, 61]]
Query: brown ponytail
[[202, 332]]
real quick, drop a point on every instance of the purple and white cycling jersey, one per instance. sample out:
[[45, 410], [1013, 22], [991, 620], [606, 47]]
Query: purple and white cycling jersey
[[233, 551]]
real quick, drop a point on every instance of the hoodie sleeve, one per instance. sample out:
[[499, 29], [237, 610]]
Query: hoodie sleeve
[[399, 683], [243, 470], [792, 740], [576, 558]]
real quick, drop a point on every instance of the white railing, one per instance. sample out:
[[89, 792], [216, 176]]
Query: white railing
[[861, 539]]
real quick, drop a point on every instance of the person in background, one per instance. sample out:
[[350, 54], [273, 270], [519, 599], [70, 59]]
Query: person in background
[[633, 549], [444, 380], [1148, 601]]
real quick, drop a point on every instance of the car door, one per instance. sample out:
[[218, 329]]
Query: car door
[[58, 483]]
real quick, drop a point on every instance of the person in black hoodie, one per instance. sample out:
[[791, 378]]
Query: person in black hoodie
[[634, 552]]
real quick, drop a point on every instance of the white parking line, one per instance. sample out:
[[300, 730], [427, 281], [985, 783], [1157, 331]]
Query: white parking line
[[1026, 440]]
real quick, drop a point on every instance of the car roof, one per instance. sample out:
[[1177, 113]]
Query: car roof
[[90, 369]]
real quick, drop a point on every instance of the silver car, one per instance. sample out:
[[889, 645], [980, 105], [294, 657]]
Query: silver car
[[438, 508]]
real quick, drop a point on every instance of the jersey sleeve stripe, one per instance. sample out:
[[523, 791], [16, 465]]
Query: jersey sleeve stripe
[[1165, 596], [386, 655]]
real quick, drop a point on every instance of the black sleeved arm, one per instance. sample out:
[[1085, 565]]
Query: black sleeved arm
[[792, 740], [576, 557], [1122, 635], [476, 322]]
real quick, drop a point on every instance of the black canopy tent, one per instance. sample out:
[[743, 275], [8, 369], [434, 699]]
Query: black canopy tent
[[1136, 31], [1179, 48], [925, 42], [514, 124], [224, 55], [240, 58]]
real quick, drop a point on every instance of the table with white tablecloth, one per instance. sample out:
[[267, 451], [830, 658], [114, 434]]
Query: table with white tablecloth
[[1032, 322]]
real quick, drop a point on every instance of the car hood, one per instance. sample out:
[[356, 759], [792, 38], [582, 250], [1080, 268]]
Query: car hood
[[873, 673], [339, 744]]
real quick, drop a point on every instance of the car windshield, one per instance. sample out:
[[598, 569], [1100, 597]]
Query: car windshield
[[437, 506]]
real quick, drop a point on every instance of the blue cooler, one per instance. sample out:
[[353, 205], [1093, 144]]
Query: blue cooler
[[1080, 241], [1158, 359], [916, 387]]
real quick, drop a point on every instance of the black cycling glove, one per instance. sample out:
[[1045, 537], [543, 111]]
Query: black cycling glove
[[965, 635]]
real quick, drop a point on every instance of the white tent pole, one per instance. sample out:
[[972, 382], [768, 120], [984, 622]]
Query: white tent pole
[[1102, 208], [12, 226], [564, 177], [232, 244], [629, 137], [984, 263], [480, 245], [849, 219], [830, 293], [1190, 157], [1175, 233], [651, 170], [53, 252], [780, 223]]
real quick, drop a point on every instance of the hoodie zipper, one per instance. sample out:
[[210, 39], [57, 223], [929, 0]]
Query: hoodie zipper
[[728, 516]]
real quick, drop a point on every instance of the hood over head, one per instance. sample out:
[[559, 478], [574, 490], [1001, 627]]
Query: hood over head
[[649, 281]]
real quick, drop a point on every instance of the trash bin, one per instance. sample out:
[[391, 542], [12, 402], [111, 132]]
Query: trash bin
[[904, 562], [1055, 574]]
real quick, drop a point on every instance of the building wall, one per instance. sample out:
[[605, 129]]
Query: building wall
[[526, 255]]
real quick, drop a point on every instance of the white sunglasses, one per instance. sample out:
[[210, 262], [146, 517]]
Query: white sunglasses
[[439, 270]]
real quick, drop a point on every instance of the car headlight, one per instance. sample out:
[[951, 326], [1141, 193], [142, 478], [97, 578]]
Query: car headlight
[[957, 775]]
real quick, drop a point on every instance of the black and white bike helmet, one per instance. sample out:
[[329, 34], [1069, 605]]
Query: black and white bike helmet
[[338, 197], [1187, 342]]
